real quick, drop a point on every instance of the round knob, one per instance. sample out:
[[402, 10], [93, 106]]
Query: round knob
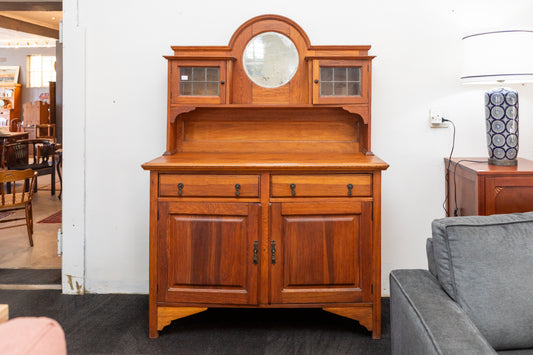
[[222, 82], [316, 81]]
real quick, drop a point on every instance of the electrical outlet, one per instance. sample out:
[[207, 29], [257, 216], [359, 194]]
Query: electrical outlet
[[435, 120]]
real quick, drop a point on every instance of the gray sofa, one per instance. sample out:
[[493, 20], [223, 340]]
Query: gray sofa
[[476, 297]]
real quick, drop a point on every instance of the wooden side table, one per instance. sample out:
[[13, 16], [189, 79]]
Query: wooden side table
[[476, 188]]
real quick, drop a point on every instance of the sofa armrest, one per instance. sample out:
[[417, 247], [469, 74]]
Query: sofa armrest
[[425, 320]]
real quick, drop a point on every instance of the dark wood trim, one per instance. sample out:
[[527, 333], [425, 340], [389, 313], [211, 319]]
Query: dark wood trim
[[22, 26], [31, 6]]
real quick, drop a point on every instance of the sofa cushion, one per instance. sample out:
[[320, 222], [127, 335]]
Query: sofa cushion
[[485, 263]]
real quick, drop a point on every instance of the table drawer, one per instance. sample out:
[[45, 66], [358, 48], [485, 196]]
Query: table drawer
[[5, 113], [194, 185], [322, 185]]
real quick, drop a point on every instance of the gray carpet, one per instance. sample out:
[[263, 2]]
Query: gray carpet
[[118, 324]]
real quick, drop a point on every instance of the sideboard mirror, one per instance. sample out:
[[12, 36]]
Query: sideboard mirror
[[270, 59]]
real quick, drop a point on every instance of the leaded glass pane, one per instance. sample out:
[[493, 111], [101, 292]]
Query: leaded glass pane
[[198, 81], [326, 74], [340, 81]]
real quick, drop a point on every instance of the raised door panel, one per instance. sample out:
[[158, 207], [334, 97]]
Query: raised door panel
[[205, 253], [322, 252], [508, 194]]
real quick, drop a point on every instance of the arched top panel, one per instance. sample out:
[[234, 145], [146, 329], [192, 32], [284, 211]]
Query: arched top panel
[[265, 23]]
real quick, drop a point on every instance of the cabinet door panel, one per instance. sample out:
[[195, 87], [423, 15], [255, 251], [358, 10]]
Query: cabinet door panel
[[207, 257], [508, 194], [320, 250], [321, 256]]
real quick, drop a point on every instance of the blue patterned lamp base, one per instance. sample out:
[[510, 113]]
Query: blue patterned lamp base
[[501, 112]]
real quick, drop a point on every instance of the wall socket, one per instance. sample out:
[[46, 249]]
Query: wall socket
[[435, 120]]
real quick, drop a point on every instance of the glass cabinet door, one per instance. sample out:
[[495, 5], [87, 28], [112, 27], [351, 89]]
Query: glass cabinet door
[[340, 81], [198, 82]]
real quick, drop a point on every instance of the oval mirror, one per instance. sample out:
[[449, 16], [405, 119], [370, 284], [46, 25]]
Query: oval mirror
[[270, 59]]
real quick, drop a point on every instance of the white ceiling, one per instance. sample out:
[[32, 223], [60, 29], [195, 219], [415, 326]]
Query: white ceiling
[[14, 39]]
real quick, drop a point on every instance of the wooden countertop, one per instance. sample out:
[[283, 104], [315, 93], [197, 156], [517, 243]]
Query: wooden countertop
[[256, 161], [481, 166]]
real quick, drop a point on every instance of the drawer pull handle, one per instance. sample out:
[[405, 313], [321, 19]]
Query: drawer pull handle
[[256, 250], [350, 187], [180, 188], [237, 188], [293, 189], [273, 250]]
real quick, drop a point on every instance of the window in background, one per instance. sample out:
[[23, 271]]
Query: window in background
[[40, 70]]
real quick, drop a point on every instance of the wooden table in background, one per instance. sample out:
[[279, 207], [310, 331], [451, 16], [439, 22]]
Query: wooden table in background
[[476, 188], [12, 137]]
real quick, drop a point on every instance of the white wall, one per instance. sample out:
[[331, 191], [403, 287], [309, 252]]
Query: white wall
[[115, 112]]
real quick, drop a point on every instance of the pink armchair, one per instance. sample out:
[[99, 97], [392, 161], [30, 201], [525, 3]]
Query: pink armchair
[[32, 335]]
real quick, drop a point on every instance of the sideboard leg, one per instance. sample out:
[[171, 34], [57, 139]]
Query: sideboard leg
[[362, 314], [165, 315]]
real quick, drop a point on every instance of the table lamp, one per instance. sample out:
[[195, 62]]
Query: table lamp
[[501, 57]]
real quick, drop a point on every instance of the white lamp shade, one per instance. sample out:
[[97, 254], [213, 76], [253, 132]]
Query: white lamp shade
[[498, 56]]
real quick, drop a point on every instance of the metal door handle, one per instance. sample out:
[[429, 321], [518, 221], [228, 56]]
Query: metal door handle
[[256, 250], [273, 250]]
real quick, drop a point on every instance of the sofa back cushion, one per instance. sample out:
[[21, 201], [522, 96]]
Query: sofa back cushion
[[485, 263]]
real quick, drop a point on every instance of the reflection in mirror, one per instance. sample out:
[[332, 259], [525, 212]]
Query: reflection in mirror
[[270, 59]]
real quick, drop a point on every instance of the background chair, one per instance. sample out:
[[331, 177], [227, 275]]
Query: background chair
[[47, 131], [19, 198], [15, 125], [35, 154]]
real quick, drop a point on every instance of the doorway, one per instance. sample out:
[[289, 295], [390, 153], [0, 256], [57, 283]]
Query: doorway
[[33, 29]]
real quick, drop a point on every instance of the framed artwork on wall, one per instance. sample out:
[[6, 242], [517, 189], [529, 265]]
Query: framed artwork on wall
[[9, 74]]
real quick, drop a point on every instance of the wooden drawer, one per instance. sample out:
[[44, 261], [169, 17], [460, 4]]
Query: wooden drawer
[[5, 113], [321, 185], [193, 185]]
